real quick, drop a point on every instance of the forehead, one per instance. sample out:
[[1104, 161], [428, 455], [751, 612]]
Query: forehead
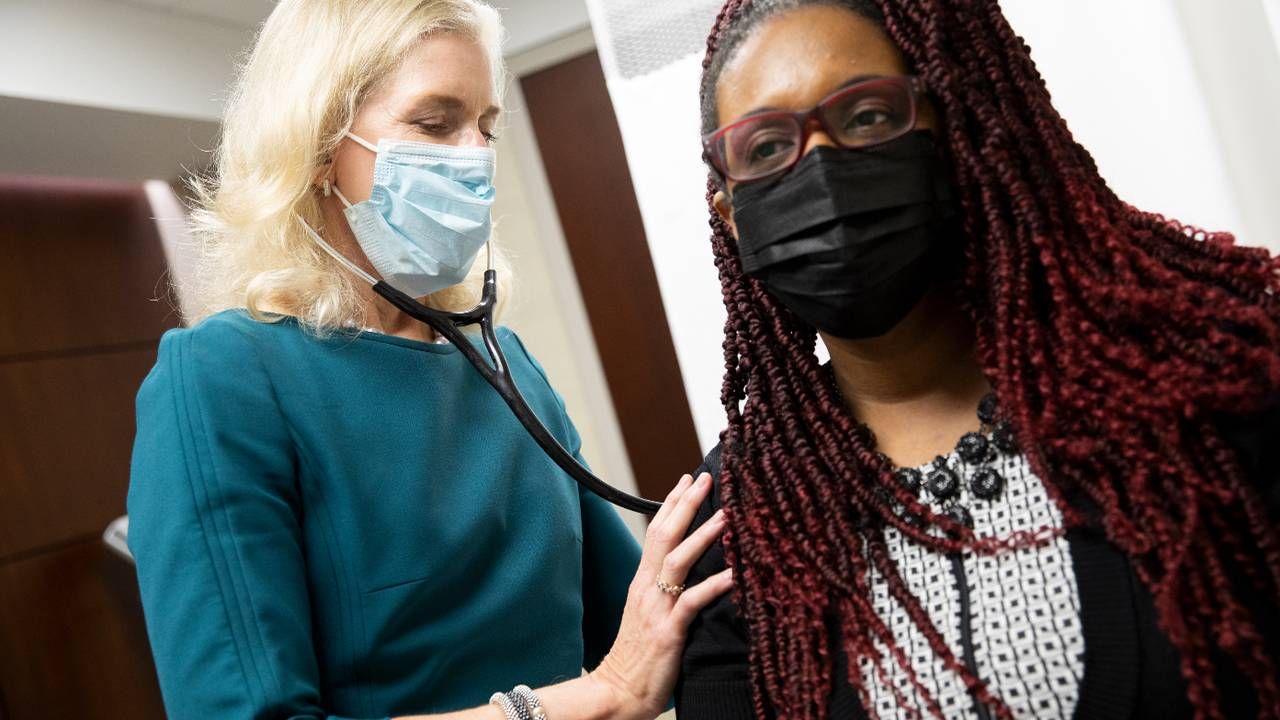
[[793, 60], [445, 65]]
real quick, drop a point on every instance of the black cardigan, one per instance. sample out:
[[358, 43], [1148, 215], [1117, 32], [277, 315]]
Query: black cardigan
[[1131, 669]]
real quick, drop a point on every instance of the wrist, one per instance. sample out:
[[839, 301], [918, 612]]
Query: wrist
[[613, 699]]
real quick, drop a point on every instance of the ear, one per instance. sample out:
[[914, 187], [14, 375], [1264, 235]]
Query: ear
[[724, 208], [323, 179]]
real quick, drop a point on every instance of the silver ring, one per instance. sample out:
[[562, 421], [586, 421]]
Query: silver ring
[[672, 590]]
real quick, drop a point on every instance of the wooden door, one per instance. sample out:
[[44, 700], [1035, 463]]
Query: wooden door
[[586, 165]]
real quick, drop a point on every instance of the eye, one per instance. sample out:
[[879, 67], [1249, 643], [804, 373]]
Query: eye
[[767, 146], [871, 118], [434, 128], [490, 138]]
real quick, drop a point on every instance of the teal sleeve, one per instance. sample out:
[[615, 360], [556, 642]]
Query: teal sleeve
[[610, 553], [214, 527], [610, 556]]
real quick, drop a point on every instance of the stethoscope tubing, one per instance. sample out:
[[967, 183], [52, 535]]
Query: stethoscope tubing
[[498, 375]]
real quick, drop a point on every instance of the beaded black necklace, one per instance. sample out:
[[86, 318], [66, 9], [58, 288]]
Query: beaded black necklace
[[941, 479]]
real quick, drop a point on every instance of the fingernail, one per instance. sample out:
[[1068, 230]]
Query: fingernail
[[718, 517]]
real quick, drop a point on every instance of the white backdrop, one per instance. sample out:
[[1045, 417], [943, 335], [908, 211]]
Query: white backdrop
[[1273, 13], [1122, 73]]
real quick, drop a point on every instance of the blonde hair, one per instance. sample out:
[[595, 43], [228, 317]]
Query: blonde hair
[[297, 93]]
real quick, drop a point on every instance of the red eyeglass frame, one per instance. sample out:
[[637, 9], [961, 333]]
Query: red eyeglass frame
[[712, 147]]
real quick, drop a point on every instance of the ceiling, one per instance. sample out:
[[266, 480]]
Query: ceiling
[[242, 13], [529, 22]]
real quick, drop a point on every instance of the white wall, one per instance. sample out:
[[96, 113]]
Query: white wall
[[116, 56], [1122, 76], [1237, 63], [531, 23], [1273, 15], [48, 138]]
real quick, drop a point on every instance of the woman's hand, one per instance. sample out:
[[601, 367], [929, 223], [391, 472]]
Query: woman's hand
[[640, 670]]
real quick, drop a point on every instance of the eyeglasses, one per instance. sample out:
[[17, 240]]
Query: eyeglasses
[[866, 113]]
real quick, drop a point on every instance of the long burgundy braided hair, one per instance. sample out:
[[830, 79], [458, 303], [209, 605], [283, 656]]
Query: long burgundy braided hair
[[1113, 338]]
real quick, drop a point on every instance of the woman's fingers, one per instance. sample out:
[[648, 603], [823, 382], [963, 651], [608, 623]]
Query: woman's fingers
[[650, 558], [699, 596], [675, 567], [670, 501], [676, 525], [666, 532]]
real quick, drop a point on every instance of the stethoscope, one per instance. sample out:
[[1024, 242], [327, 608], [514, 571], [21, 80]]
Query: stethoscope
[[497, 374]]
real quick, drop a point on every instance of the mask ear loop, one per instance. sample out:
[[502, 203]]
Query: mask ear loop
[[363, 143], [333, 253], [328, 187], [342, 198]]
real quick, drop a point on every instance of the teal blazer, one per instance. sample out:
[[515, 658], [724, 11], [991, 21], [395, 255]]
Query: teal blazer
[[357, 527]]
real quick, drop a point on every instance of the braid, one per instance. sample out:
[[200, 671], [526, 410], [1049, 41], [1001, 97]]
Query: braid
[[1112, 336]]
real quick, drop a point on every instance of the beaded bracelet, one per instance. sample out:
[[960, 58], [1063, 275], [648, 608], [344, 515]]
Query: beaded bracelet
[[532, 703], [512, 709]]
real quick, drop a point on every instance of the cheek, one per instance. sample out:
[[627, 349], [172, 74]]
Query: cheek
[[724, 207], [927, 116], [353, 171]]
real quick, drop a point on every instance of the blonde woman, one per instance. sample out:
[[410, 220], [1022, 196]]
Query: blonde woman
[[332, 514]]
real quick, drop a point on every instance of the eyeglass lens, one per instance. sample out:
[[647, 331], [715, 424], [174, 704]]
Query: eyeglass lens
[[866, 114]]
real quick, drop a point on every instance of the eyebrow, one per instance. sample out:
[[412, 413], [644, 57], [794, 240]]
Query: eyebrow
[[851, 81], [449, 102]]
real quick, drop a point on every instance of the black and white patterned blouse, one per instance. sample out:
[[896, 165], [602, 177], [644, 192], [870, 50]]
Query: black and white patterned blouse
[[1014, 617]]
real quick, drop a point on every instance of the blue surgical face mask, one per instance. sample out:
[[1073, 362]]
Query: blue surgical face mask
[[428, 213]]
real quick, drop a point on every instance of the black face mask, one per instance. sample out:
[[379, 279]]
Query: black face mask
[[851, 240]]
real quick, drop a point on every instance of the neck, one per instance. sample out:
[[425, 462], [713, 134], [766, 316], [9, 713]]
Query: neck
[[918, 386], [385, 318], [381, 316]]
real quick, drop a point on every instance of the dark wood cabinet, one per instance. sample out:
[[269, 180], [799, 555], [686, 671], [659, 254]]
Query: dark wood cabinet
[[83, 302], [75, 645], [81, 268], [65, 440]]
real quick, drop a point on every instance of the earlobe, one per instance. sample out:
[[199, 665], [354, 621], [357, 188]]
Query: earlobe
[[322, 180], [724, 208]]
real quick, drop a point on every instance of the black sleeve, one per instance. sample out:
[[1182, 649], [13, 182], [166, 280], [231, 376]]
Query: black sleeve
[[1256, 439], [714, 683]]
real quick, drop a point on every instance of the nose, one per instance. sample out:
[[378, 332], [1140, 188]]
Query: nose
[[816, 136], [472, 136]]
